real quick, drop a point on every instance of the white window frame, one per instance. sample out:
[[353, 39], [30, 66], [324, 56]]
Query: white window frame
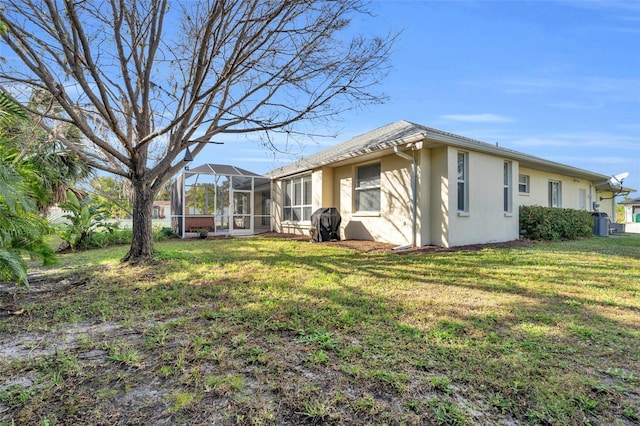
[[582, 199], [289, 204], [523, 184], [555, 193], [463, 181], [507, 193], [360, 189]]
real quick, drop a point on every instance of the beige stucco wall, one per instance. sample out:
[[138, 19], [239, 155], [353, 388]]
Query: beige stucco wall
[[607, 205], [392, 225], [317, 194], [335, 188], [539, 189], [423, 202], [438, 201], [276, 205], [327, 188], [539, 192], [486, 220], [438, 219]]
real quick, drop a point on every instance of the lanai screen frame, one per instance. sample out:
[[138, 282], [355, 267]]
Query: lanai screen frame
[[246, 203]]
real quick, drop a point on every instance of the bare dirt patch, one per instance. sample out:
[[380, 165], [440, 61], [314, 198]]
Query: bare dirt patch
[[208, 336]]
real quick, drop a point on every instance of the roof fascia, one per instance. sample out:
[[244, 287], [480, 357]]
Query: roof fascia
[[377, 151], [457, 141], [525, 160]]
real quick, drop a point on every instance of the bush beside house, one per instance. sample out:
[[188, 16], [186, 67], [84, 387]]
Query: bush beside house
[[544, 223]]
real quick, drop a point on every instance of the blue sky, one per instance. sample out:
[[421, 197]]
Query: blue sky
[[555, 79]]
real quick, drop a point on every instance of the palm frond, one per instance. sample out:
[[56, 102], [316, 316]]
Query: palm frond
[[13, 267], [10, 108]]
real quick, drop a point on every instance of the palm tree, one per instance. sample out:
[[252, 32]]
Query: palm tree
[[22, 230], [59, 169]]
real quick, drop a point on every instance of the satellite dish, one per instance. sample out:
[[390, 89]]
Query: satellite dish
[[616, 180]]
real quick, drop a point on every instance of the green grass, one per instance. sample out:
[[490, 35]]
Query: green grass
[[270, 331]]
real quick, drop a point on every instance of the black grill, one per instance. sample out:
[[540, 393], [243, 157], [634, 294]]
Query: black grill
[[325, 224]]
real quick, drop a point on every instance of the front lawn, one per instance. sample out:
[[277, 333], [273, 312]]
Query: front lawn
[[273, 331]]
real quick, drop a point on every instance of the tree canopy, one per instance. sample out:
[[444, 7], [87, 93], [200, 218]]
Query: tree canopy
[[143, 81]]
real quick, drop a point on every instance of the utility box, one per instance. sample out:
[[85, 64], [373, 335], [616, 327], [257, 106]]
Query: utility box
[[600, 224]]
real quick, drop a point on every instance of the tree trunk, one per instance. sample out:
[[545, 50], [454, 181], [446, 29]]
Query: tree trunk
[[141, 248]]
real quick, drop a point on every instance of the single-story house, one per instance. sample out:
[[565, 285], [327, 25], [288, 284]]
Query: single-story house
[[631, 214], [409, 184]]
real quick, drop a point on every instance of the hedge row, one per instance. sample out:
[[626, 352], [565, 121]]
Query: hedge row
[[544, 223]]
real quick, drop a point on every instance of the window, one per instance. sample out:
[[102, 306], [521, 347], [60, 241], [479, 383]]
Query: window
[[582, 199], [463, 182], [507, 187], [367, 190], [296, 206], [523, 184], [555, 194]]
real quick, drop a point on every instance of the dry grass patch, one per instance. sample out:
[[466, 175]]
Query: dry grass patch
[[274, 331]]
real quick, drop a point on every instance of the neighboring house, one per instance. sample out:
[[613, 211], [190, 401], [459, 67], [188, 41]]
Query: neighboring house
[[631, 215], [160, 215], [408, 184], [161, 210]]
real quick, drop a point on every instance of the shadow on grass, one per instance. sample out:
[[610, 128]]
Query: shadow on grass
[[566, 318], [529, 334]]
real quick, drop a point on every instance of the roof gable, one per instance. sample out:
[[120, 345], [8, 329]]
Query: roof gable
[[380, 138], [220, 169]]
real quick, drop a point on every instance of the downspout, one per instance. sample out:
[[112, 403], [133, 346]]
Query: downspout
[[413, 197], [184, 205], [272, 215]]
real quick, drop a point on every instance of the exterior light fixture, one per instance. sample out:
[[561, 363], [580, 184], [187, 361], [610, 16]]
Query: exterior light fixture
[[187, 156]]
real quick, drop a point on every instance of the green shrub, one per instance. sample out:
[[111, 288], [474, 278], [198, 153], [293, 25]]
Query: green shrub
[[84, 219], [109, 237], [544, 223], [114, 235], [164, 233]]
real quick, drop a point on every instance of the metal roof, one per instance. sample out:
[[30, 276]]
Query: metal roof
[[403, 132], [630, 201], [220, 169], [375, 140]]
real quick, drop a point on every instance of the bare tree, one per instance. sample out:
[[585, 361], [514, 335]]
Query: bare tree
[[144, 80]]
